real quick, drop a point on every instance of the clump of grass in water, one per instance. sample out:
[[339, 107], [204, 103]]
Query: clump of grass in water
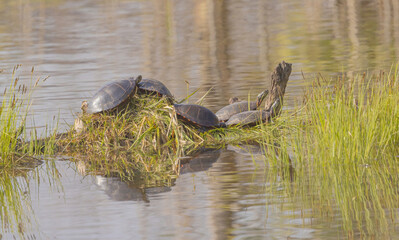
[[345, 152], [147, 137], [14, 150], [17, 155], [144, 137]]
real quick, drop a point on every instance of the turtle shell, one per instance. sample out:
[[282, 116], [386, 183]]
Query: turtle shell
[[248, 118], [155, 86], [112, 95], [237, 106], [196, 114], [226, 112]]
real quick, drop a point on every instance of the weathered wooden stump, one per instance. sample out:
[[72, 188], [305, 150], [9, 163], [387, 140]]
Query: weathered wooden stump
[[279, 81]]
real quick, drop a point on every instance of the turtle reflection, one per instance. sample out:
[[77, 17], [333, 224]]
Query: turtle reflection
[[202, 161], [119, 190], [127, 191]]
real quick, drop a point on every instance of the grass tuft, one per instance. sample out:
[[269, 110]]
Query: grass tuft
[[146, 138], [345, 152]]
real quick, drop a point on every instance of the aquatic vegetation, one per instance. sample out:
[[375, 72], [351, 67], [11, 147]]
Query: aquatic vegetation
[[145, 138], [337, 151], [20, 151], [345, 152], [134, 140], [18, 146], [14, 149]]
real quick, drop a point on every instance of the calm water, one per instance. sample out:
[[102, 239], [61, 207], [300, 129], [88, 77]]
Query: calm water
[[230, 47], [219, 195]]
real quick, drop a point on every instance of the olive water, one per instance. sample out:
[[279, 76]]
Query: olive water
[[228, 48]]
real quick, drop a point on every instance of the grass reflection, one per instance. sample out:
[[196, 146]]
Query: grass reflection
[[15, 212]]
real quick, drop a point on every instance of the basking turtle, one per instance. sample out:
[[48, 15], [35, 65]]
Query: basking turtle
[[155, 86], [111, 95], [249, 118], [236, 107], [197, 115]]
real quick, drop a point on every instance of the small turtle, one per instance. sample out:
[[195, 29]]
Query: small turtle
[[155, 86], [236, 107], [111, 95], [250, 118], [197, 115]]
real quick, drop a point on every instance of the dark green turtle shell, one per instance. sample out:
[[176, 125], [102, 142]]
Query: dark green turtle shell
[[155, 86], [112, 95], [248, 118], [196, 114], [226, 112]]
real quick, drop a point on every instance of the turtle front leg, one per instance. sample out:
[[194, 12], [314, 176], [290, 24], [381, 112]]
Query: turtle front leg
[[275, 108]]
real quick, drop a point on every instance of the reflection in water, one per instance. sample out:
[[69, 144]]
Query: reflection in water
[[123, 191], [201, 161], [17, 217], [119, 190], [247, 149], [15, 209], [222, 194]]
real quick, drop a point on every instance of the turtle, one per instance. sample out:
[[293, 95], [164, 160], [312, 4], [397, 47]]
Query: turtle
[[197, 115], [240, 106], [253, 117], [149, 85], [111, 96]]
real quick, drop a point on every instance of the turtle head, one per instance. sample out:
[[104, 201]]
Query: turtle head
[[234, 100], [84, 106], [261, 97], [138, 79]]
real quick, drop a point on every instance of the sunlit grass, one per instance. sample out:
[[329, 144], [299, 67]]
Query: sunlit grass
[[16, 148], [345, 152], [11, 121]]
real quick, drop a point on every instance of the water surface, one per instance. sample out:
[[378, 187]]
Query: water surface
[[229, 47], [220, 196]]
